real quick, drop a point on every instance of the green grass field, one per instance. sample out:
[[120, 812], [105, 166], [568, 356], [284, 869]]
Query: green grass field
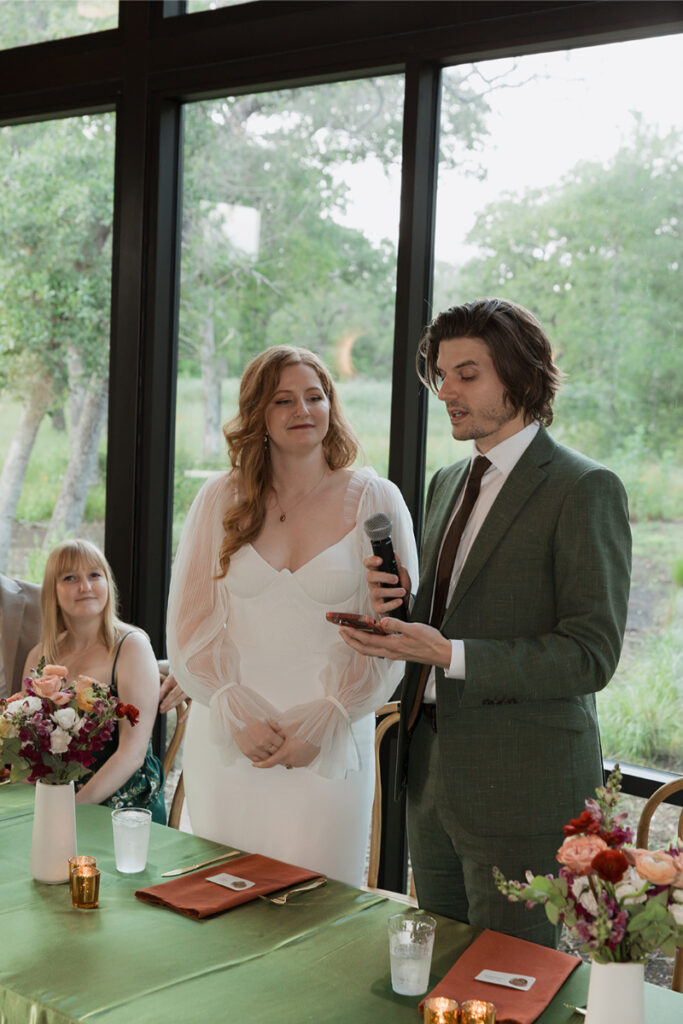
[[640, 710]]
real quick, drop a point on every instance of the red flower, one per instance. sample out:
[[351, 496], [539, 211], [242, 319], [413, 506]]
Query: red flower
[[610, 865], [585, 823], [128, 711], [132, 714]]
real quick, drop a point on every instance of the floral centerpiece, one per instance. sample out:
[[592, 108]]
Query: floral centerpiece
[[52, 731], [622, 903]]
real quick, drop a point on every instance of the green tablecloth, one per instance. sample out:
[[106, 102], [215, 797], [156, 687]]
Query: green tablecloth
[[16, 799], [323, 957]]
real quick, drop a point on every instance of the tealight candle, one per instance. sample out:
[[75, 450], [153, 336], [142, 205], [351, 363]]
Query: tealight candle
[[85, 887], [80, 862], [476, 1011], [440, 1010]]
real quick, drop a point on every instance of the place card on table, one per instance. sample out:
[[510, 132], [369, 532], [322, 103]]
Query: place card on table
[[196, 896], [505, 954]]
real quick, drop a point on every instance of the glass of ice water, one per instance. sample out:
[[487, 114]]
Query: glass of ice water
[[131, 837], [411, 941]]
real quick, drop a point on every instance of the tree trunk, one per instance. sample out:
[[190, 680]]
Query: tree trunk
[[67, 514], [77, 389], [211, 389], [16, 464]]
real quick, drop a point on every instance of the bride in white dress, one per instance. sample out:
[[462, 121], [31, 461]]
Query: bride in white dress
[[278, 754]]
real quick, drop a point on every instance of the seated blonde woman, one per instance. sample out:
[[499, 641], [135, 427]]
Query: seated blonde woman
[[81, 631]]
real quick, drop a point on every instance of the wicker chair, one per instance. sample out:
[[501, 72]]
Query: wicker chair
[[171, 752], [387, 716], [658, 797]]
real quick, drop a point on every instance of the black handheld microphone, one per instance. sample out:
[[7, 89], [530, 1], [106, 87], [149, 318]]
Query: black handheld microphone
[[378, 529]]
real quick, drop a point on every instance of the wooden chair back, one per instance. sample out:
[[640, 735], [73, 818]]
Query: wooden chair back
[[169, 760], [642, 836], [387, 716]]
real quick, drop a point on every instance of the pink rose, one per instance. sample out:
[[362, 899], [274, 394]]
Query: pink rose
[[577, 852], [62, 698], [85, 683], [655, 866], [55, 670], [678, 864], [47, 686]]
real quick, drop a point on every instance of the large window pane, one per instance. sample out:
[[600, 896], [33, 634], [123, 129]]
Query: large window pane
[[281, 246], [35, 21], [55, 283], [573, 208]]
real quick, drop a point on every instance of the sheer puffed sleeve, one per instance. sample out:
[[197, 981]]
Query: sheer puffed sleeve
[[203, 658], [354, 685]]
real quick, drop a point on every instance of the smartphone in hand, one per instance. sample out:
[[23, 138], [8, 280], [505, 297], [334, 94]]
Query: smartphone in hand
[[354, 621]]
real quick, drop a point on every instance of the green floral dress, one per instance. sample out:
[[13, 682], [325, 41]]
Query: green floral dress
[[145, 787]]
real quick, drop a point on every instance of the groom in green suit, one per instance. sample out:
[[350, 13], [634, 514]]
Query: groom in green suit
[[518, 620]]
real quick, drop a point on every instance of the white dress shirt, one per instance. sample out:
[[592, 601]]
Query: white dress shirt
[[503, 458]]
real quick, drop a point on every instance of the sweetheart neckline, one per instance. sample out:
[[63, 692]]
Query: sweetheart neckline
[[294, 572]]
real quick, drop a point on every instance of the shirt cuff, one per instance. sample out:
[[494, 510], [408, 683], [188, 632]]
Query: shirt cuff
[[456, 669]]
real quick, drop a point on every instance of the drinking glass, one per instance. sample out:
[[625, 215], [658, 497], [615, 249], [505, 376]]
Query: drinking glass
[[131, 827], [411, 941]]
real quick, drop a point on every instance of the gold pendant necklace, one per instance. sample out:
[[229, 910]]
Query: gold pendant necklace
[[299, 500]]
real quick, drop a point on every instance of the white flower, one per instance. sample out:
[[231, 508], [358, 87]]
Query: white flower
[[677, 895], [28, 705], [630, 883], [583, 894], [579, 885], [65, 718], [676, 911], [59, 741], [589, 902], [7, 730]]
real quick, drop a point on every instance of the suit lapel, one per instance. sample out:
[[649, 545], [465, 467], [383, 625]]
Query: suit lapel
[[526, 476]]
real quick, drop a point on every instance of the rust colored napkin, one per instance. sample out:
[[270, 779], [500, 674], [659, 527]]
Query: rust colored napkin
[[497, 952], [193, 896]]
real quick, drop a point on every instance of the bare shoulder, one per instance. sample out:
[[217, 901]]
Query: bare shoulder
[[136, 648]]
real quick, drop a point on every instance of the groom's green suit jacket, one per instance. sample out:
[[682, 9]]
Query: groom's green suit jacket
[[541, 606]]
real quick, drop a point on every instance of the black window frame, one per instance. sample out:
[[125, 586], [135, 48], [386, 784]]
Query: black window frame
[[145, 70]]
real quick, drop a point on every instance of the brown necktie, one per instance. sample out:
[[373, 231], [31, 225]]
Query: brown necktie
[[445, 568]]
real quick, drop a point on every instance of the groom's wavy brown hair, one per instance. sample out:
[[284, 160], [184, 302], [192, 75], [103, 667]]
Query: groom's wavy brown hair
[[248, 449], [520, 351]]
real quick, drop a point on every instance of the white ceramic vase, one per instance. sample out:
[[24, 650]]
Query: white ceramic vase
[[616, 993], [54, 832]]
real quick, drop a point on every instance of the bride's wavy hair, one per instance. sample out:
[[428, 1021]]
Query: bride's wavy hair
[[248, 448], [67, 557]]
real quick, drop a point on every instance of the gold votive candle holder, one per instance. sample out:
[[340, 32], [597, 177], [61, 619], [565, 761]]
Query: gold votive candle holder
[[476, 1011], [440, 1010], [80, 862], [85, 887]]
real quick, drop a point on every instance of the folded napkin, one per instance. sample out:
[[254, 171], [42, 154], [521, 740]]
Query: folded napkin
[[497, 952], [193, 896]]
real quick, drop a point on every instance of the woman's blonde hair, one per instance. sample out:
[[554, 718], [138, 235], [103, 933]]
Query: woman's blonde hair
[[247, 441], [66, 557]]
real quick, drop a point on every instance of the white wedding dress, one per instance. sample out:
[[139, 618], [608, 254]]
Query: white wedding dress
[[257, 643]]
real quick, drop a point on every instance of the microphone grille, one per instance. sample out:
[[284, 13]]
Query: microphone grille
[[378, 527]]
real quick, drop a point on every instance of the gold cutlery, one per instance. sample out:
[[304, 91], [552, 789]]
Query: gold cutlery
[[282, 897], [201, 864]]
